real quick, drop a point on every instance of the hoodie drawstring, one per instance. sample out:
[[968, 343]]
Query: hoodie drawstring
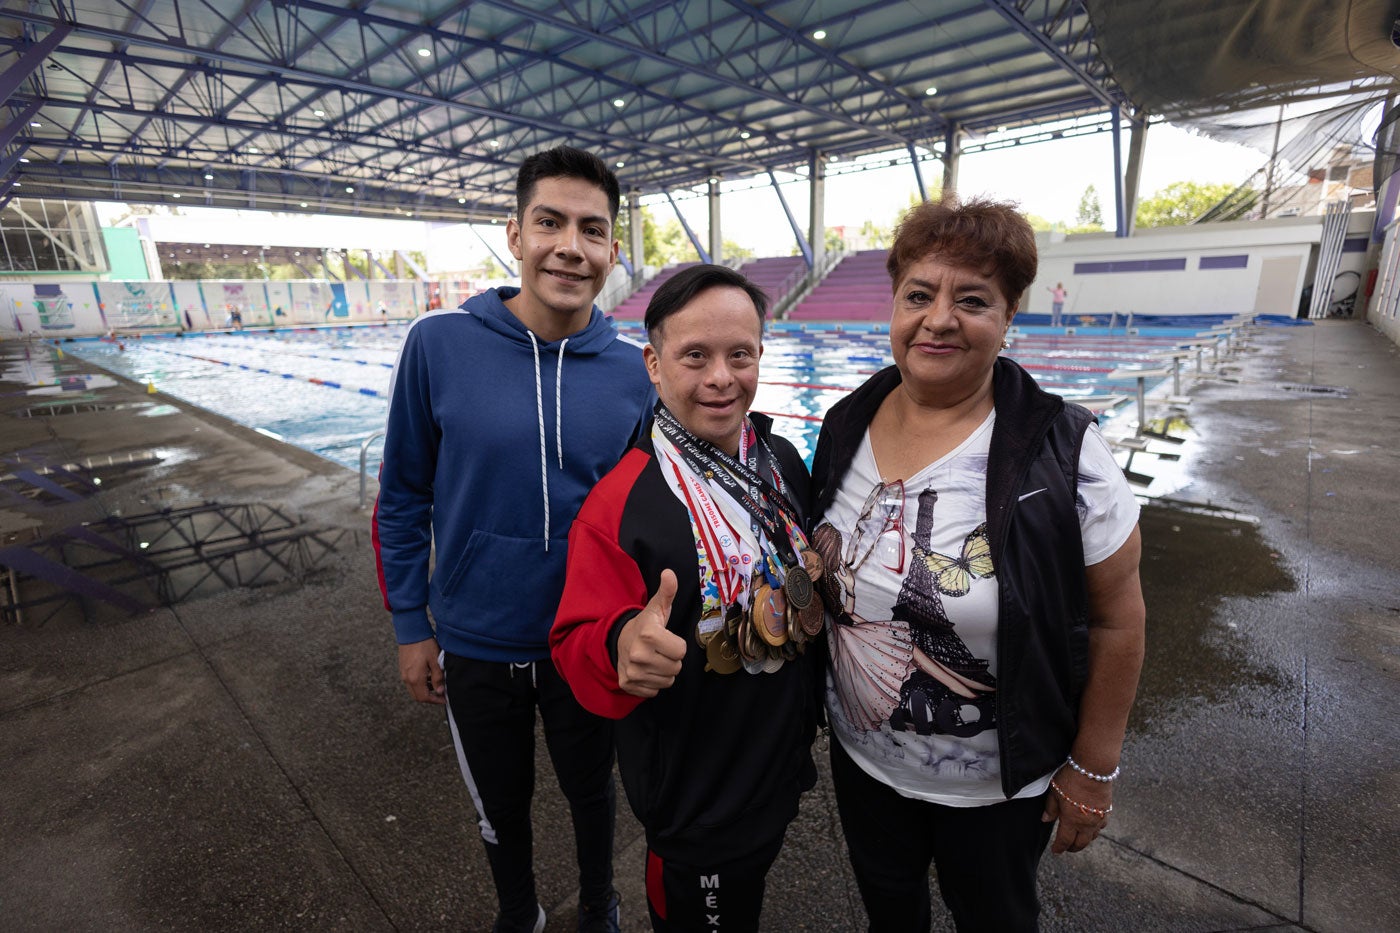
[[559, 404], [558, 422], [544, 460]]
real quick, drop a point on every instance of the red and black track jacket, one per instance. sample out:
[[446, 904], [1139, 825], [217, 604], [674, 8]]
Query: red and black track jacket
[[713, 765]]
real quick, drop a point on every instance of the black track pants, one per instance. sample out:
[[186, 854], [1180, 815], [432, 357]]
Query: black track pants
[[491, 711]]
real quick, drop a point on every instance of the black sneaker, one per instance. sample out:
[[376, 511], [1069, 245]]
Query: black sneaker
[[601, 918], [537, 927]]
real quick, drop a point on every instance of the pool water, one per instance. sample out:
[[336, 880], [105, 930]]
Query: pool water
[[326, 390]]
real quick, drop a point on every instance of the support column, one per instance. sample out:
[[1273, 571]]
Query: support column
[[716, 230], [1390, 186], [816, 223], [401, 260], [918, 172], [689, 233], [802, 243], [636, 245], [1121, 226], [1137, 142], [950, 159]]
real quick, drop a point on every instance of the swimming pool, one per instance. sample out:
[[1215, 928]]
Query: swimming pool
[[325, 389]]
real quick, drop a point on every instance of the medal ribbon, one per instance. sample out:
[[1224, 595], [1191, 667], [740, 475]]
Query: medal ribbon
[[708, 461]]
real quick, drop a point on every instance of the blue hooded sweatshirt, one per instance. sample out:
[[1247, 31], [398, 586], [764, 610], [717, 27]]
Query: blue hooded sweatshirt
[[495, 438]]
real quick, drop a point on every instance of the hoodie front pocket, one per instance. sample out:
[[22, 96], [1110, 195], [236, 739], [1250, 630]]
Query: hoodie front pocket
[[507, 586]]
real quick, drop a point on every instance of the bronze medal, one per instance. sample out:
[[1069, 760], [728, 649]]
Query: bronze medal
[[798, 587], [812, 619], [796, 636], [732, 615], [813, 563]]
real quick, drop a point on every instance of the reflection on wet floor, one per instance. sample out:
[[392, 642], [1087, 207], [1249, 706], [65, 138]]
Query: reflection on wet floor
[[1193, 559]]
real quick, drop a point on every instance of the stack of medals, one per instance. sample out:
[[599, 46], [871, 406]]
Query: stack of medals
[[776, 626], [783, 611]]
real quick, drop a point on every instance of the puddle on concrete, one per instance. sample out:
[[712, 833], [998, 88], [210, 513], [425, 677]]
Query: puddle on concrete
[[1193, 559]]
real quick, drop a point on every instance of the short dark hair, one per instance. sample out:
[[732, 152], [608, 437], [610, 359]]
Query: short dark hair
[[565, 162], [990, 236], [680, 289]]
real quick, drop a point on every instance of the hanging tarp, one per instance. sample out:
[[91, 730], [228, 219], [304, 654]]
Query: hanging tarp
[[1174, 56]]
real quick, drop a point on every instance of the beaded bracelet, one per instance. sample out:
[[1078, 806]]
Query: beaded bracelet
[[1104, 778], [1081, 807]]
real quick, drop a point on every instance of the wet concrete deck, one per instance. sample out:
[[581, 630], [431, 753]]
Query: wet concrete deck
[[247, 759]]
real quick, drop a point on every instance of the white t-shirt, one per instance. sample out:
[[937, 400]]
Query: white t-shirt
[[911, 689]]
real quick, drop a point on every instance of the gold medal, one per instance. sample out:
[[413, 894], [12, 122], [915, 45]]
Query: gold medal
[[770, 616], [708, 627], [720, 655]]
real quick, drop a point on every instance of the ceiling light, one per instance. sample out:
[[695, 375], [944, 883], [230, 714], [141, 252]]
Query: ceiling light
[[15, 184], [819, 35], [495, 144], [23, 159], [461, 200], [319, 113], [253, 150], [176, 195], [303, 204], [930, 90], [621, 164], [206, 246], [36, 124], [349, 189], [745, 134], [424, 53], [411, 170], [619, 103], [208, 176]]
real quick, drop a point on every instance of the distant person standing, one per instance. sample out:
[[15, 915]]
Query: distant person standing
[[503, 414], [1057, 302]]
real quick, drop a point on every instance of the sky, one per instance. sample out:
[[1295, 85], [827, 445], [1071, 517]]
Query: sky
[[1047, 179]]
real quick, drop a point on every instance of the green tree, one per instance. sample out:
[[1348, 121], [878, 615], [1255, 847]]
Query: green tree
[[1090, 213], [1180, 203]]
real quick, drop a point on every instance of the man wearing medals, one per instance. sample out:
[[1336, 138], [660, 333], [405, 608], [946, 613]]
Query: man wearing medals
[[689, 613]]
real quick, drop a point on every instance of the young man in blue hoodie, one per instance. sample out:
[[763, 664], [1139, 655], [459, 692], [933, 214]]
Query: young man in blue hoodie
[[502, 416]]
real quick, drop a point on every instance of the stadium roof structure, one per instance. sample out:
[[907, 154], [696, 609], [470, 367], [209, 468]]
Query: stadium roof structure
[[425, 107]]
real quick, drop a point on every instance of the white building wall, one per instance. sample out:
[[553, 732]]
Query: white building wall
[[1080, 263]]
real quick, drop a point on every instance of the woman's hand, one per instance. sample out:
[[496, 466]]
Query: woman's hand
[[1080, 805]]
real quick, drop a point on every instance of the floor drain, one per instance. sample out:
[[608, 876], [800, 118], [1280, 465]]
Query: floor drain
[[1306, 389]]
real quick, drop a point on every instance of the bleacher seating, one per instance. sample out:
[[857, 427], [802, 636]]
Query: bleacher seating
[[856, 289], [776, 275], [634, 306]]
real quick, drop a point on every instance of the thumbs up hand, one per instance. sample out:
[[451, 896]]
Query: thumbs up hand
[[648, 654]]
